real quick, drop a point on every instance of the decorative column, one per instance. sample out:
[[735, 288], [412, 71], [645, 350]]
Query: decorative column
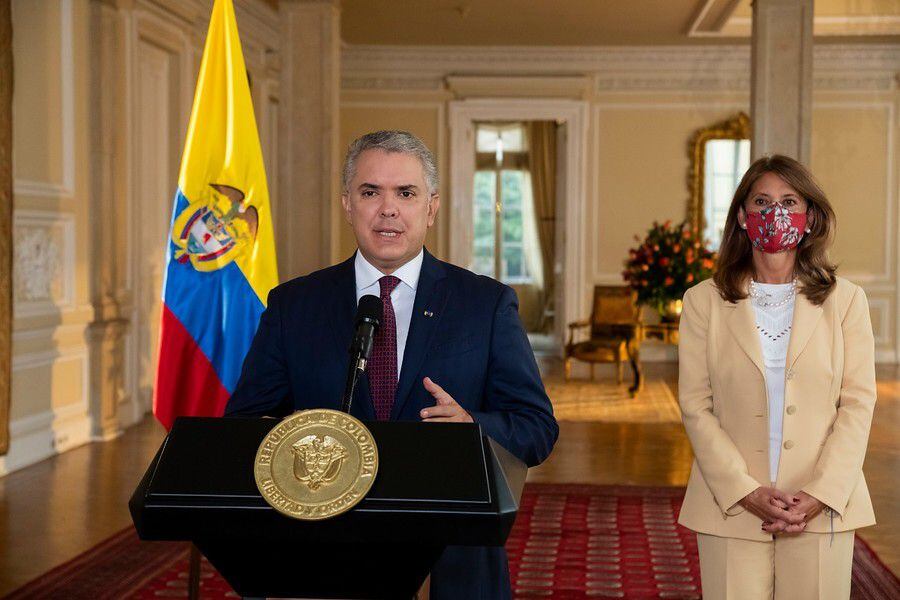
[[108, 189], [308, 214], [781, 78], [6, 185]]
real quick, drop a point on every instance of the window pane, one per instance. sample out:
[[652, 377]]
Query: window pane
[[483, 260], [485, 188], [483, 226], [512, 188], [513, 137], [513, 262], [486, 139], [512, 225]]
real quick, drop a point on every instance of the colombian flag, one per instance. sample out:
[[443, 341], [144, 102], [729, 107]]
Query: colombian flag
[[220, 260]]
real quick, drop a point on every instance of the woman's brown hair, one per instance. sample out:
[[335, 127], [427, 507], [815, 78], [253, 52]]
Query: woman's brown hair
[[814, 271]]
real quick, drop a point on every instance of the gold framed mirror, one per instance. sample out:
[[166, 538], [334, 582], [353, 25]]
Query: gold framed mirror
[[719, 156]]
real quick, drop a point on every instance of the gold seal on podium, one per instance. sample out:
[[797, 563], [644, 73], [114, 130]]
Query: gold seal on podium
[[316, 464]]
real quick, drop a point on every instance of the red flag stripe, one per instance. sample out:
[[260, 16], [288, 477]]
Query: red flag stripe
[[186, 383]]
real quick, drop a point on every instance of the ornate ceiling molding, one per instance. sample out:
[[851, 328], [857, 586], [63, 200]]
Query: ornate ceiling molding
[[657, 68]]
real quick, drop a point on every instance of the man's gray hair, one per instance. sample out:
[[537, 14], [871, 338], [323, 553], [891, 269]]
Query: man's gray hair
[[391, 141]]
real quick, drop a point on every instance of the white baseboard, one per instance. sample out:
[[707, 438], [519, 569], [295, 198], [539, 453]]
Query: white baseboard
[[887, 357], [657, 352], [131, 411], [38, 437]]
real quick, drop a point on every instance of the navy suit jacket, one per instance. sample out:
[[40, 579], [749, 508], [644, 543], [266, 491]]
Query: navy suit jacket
[[472, 344]]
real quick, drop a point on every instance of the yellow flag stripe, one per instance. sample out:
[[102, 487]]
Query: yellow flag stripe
[[222, 145]]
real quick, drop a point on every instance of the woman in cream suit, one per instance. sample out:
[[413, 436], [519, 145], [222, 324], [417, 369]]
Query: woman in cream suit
[[777, 388]]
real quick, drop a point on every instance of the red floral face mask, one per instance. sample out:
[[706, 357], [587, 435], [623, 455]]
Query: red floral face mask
[[775, 228]]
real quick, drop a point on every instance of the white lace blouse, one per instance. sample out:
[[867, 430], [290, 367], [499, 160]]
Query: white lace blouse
[[774, 326]]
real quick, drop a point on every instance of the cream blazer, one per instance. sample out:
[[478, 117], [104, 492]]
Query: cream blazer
[[829, 396]]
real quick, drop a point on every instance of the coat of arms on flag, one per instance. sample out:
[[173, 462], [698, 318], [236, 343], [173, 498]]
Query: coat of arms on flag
[[212, 232]]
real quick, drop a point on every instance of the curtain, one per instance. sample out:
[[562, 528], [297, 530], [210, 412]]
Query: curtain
[[534, 259], [542, 165]]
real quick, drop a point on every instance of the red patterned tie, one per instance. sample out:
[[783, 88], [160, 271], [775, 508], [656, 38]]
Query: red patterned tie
[[383, 363]]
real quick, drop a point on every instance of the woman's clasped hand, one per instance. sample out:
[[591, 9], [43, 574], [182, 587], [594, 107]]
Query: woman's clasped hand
[[781, 512]]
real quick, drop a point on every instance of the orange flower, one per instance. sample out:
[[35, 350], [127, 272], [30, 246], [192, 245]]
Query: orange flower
[[689, 278], [669, 281], [676, 248], [645, 268]]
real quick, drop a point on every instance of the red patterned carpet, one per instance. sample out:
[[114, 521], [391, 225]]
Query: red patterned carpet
[[570, 541]]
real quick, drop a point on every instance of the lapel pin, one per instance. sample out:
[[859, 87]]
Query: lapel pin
[[428, 313]]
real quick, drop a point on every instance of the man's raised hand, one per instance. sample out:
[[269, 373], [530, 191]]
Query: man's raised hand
[[446, 409]]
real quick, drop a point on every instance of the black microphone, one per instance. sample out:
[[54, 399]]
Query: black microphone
[[369, 313]]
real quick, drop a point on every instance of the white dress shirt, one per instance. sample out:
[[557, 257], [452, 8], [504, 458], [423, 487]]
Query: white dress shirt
[[774, 326], [403, 296]]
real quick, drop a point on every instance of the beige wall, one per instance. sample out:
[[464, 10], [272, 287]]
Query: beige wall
[[640, 169], [643, 105], [424, 119], [49, 404], [854, 156]]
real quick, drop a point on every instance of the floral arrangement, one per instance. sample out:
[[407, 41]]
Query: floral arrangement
[[671, 259]]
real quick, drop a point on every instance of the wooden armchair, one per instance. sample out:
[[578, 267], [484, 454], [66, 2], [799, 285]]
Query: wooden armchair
[[614, 327]]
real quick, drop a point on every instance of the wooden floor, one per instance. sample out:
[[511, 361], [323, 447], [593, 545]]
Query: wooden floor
[[54, 510]]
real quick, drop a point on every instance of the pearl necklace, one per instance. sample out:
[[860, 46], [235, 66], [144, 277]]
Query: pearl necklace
[[760, 297]]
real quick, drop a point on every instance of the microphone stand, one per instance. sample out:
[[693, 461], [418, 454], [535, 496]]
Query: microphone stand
[[356, 368]]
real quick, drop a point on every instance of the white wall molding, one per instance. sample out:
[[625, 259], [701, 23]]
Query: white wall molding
[[617, 68], [388, 81], [152, 37], [886, 320], [823, 25], [49, 333], [259, 24], [51, 433], [36, 437], [547, 86], [887, 357], [43, 263], [66, 187]]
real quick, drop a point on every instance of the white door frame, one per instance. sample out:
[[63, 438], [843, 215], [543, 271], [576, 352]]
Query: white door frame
[[570, 212]]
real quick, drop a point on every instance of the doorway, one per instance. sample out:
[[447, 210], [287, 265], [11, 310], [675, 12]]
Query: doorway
[[517, 203], [514, 216]]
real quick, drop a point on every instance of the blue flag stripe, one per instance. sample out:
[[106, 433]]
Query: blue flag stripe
[[219, 309]]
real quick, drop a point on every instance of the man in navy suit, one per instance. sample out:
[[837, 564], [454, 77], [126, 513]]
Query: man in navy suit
[[451, 347]]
